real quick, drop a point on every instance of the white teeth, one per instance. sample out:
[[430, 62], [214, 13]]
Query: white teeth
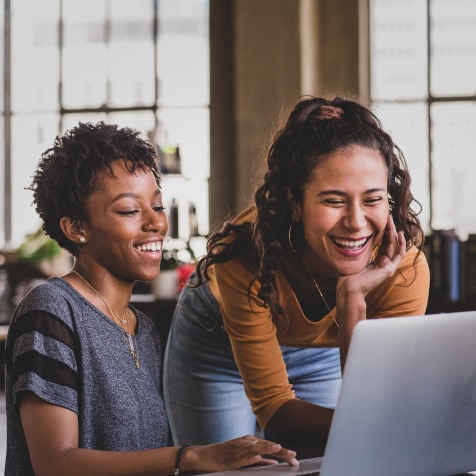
[[150, 247], [353, 245]]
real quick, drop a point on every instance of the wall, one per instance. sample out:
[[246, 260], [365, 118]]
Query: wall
[[265, 54]]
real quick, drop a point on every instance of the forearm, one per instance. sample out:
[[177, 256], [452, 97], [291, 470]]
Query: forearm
[[350, 310], [232, 454], [300, 421], [78, 461]]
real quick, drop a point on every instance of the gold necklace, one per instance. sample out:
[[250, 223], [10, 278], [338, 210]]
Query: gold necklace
[[130, 339], [319, 291]]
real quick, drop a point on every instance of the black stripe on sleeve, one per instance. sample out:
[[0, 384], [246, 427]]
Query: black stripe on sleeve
[[48, 369], [42, 322]]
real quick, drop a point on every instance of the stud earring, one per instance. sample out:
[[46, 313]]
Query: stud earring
[[82, 239]]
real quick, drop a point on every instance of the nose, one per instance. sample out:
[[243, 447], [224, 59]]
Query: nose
[[157, 222], [355, 218]]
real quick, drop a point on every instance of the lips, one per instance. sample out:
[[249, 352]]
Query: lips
[[351, 245], [151, 247]]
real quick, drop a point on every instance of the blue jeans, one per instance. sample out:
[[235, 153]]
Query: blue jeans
[[203, 389]]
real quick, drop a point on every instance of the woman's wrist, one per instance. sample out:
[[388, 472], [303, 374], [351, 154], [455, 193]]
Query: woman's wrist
[[189, 461], [179, 458]]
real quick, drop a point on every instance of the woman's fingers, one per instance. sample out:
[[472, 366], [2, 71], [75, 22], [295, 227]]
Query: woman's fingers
[[243, 451], [262, 449], [395, 246], [392, 238]]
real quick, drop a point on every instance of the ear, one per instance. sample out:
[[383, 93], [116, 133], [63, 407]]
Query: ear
[[73, 230], [294, 206]]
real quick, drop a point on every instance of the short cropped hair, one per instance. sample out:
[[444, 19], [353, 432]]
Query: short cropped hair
[[66, 173]]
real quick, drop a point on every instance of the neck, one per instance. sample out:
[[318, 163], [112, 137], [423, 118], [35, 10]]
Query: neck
[[114, 296], [319, 269]]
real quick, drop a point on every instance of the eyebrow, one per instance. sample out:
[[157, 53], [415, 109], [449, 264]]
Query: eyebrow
[[132, 195], [342, 193]]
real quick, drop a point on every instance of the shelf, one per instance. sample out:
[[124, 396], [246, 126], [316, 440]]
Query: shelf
[[437, 306]]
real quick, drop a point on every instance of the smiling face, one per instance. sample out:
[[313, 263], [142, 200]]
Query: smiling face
[[344, 210], [126, 224]]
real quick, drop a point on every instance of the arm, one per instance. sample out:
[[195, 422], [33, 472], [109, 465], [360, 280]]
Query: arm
[[258, 355], [52, 436], [310, 422], [355, 293], [405, 294], [255, 345]]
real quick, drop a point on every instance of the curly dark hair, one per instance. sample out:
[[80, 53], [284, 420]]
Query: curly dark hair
[[315, 128], [66, 173]]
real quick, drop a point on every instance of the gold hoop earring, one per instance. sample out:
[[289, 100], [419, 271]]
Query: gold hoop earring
[[289, 238]]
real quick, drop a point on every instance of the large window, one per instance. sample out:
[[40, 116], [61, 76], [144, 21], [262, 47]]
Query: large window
[[141, 63], [423, 87]]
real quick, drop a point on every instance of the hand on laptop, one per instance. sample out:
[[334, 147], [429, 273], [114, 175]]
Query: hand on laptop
[[234, 454]]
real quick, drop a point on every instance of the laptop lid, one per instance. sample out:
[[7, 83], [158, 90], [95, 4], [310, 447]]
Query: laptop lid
[[407, 405]]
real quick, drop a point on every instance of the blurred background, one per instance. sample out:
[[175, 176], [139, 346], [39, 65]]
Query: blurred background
[[207, 81]]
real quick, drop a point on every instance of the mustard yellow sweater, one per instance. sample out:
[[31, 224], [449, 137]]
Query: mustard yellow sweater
[[256, 339]]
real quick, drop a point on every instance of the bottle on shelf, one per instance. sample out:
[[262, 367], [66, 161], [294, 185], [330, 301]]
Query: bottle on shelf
[[192, 219], [173, 219]]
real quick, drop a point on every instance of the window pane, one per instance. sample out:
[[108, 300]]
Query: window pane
[[127, 19], [453, 47], [32, 134], [109, 56], [398, 49], [408, 126], [84, 76], [2, 144], [454, 173], [72, 120], [143, 121], [35, 62], [133, 85], [2, 182], [2, 46], [189, 130], [131, 43], [187, 193], [183, 52], [84, 54]]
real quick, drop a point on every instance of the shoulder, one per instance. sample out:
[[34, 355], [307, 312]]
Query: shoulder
[[55, 296], [246, 216], [406, 292], [414, 265], [49, 308]]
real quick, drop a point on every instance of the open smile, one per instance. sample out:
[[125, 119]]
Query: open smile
[[350, 245], [150, 247]]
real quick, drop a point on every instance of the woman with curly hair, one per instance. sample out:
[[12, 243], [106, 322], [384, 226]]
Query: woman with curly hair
[[83, 379], [263, 328]]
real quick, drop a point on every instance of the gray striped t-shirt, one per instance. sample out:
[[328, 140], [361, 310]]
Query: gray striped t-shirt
[[70, 354]]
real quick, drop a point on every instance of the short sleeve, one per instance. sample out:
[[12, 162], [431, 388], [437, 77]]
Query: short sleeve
[[41, 352]]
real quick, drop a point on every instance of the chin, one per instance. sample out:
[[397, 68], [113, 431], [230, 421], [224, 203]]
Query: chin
[[354, 268], [150, 277]]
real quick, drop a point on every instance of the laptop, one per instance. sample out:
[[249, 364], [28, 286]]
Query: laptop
[[407, 405]]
